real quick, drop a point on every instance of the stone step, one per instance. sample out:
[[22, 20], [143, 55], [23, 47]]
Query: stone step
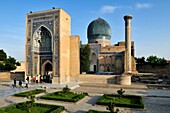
[[102, 85]]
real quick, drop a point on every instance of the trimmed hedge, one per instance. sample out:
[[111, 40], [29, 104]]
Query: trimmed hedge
[[37, 108], [96, 111], [126, 101], [67, 97], [34, 92], [53, 108]]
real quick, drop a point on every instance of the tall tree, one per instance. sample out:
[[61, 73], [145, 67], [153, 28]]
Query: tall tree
[[85, 58], [3, 55], [11, 60]]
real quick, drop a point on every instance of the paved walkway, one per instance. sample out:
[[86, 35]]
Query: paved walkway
[[156, 101]]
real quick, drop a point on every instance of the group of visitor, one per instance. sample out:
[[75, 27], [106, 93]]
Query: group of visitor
[[35, 78], [41, 79], [45, 78], [20, 83]]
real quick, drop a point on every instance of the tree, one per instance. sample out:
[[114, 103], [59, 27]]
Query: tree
[[11, 60], [120, 92], [31, 102], [153, 60], [1, 66], [7, 64], [111, 107], [66, 90], [85, 58], [156, 60], [3, 55], [28, 105], [140, 60]]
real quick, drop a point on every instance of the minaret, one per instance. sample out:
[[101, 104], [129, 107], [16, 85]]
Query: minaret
[[128, 62]]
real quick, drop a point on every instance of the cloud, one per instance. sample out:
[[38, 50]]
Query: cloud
[[108, 9], [143, 5]]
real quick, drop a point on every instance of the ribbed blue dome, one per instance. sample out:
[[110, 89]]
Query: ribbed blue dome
[[99, 29]]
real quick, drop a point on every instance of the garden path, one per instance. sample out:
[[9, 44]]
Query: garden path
[[156, 101]]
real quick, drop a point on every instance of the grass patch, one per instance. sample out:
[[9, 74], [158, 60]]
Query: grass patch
[[37, 108], [96, 111], [125, 101], [67, 97], [34, 92]]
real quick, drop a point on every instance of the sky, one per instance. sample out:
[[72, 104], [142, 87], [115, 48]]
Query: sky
[[150, 23]]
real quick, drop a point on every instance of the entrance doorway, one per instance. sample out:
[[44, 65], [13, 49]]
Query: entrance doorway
[[95, 68], [47, 70]]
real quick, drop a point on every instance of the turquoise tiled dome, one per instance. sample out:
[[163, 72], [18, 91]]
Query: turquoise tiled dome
[[99, 29]]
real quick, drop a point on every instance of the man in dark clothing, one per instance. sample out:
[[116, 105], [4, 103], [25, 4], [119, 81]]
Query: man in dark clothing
[[20, 83], [15, 83], [41, 79], [26, 85], [27, 80]]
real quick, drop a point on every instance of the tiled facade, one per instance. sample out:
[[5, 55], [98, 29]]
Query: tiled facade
[[49, 45]]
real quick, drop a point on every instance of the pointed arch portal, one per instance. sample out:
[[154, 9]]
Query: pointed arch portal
[[42, 39], [47, 68]]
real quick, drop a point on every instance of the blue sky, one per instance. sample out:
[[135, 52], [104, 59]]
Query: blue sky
[[150, 23]]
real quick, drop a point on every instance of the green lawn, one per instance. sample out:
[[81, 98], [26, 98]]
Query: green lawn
[[37, 108], [60, 96], [34, 92], [126, 101]]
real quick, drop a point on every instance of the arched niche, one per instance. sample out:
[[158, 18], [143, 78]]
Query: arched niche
[[42, 39], [93, 62]]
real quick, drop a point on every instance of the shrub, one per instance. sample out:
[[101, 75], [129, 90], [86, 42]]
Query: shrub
[[34, 92], [60, 96], [120, 92], [111, 108], [97, 111], [37, 108], [66, 90], [126, 101]]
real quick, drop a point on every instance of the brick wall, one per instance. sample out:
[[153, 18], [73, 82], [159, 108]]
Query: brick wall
[[4, 76]]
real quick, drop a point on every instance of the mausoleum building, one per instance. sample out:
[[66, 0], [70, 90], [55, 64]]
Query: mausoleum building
[[50, 48], [106, 57], [52, 52]]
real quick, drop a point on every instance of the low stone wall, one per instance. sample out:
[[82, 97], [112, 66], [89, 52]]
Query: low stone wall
[[89, 78], [146, 68], [18, 76], [5, 76]]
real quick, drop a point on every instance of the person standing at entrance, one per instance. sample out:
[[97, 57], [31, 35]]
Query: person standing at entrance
[[45, 78], [41, 79], [27, 80], [37, 79], [34, 79]]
